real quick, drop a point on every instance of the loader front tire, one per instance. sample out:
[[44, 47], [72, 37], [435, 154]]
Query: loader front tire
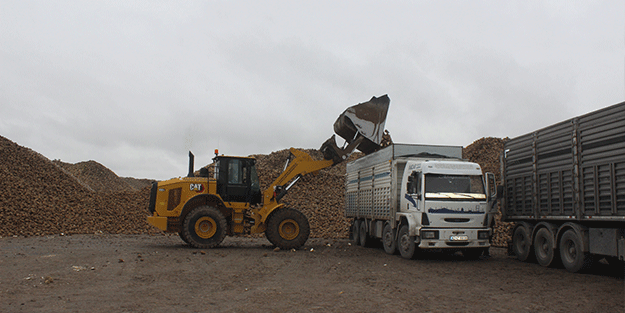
[[204, 227], [287, 229]]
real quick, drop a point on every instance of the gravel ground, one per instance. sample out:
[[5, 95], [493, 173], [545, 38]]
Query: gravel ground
[[158, 273]]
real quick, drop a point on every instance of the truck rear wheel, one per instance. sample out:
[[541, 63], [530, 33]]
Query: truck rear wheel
[[204, 227], [287, 229], [406, 243], [388, 239], [573, 257], [356, 231], [544, 247], [521, 243], [363, 236]]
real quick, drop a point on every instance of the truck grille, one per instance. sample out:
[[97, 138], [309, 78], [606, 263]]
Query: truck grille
[[457, 220]]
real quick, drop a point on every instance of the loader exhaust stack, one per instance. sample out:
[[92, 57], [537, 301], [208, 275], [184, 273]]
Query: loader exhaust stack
[[362, 127]]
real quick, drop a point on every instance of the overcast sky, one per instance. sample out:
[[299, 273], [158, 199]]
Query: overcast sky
[[134, 85]]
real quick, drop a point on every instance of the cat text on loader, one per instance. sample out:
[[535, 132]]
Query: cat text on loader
[[203, 210]]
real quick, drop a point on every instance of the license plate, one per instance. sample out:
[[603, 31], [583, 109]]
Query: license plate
[[459, 238]]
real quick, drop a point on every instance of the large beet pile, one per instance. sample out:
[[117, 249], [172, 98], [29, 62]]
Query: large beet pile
[[43, 197], [486, 152], [37, 197]]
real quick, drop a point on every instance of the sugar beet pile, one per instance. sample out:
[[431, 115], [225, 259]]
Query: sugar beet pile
[[42, 197]]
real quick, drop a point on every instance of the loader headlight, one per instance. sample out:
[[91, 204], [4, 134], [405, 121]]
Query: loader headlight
[[429, 234]]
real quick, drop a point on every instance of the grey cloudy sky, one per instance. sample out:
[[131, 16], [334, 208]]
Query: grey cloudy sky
[[134, 85]]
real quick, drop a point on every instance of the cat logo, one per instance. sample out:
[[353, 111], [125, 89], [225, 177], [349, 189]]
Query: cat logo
[[196, 187]]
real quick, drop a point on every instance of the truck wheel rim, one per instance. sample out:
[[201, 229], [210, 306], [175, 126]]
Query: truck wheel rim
[[205, 227], [404, 243], [288, 229]]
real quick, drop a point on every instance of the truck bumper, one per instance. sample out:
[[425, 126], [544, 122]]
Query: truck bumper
[[159, 222], [455, 238]]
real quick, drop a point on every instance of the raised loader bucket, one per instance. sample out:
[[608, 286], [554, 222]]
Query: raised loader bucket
[[362, 127]]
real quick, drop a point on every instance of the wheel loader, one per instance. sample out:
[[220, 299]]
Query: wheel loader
[[204, 210]]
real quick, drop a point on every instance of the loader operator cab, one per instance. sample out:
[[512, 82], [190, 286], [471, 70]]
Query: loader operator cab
[[237, 180]]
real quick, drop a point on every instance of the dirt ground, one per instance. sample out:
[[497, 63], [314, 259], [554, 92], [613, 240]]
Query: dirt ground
[[143, 273]]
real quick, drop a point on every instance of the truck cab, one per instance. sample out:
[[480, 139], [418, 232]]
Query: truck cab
[[445, 204]]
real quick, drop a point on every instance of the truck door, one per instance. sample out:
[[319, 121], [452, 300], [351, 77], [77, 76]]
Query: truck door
[[413, 194]]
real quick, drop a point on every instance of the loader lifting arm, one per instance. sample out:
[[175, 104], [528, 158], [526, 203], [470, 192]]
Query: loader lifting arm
[[299, 164], [362, 127]]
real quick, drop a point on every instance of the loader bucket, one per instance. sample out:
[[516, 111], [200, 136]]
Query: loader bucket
[[365, 119], [362, 127]]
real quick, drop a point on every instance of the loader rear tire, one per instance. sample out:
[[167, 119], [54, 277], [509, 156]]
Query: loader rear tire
[[204, 227], [287, 229], [181, 234]]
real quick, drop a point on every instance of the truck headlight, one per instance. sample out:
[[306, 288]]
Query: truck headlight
[[429, 234]]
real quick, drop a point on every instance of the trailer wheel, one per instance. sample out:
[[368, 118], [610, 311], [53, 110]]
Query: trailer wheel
[[406, 243], [544, 247], [521, 243], [356, 231], [388, 239], [363, 236], [204, 227], [573, 258], [287, 228]]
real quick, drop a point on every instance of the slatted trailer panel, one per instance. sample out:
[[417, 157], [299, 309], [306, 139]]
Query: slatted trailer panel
[[573, 169], [371, 184]]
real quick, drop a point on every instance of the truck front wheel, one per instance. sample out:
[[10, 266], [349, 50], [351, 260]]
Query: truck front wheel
[[287, 229], [204, 227], [405, 243]]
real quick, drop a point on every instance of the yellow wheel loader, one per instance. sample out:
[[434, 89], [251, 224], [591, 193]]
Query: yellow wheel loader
[[204, 210]]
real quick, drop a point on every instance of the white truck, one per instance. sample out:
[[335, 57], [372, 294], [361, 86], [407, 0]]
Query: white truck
[[417, 197]]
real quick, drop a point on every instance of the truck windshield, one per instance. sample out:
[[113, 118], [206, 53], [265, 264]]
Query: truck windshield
[[454, 186]]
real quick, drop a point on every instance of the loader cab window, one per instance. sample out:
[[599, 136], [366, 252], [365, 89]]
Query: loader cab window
[[237, 180], [237, 173]]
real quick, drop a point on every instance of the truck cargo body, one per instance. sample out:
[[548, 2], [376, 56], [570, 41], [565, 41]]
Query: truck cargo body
[[564, 185], [439, 200]]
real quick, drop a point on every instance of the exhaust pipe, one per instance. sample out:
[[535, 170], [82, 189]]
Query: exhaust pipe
[[191, 160]]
